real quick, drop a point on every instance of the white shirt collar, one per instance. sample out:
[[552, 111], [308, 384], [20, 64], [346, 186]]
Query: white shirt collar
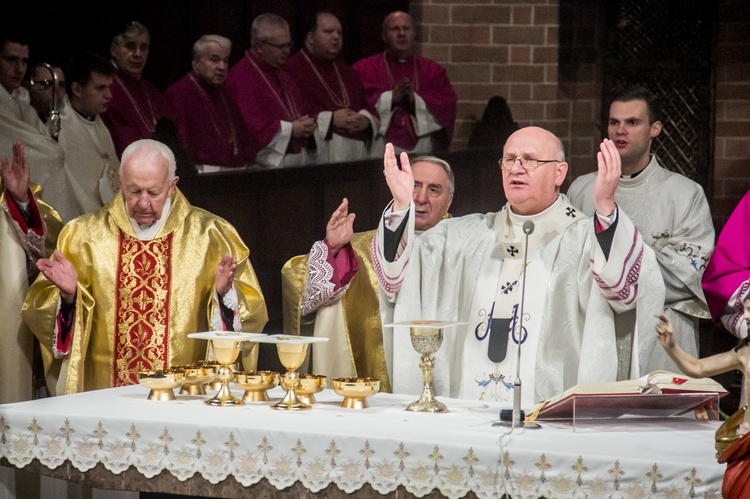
[[148, 232]]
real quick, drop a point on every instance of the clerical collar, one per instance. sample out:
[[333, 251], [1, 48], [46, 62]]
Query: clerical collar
[[520, 219], [399, 60], [147, 232], [91, 119], [628, 177]]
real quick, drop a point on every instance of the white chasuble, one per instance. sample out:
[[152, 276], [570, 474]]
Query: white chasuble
[[457, 270]]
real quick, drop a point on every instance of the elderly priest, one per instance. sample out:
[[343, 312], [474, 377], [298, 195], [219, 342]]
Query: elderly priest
[[128, 283]]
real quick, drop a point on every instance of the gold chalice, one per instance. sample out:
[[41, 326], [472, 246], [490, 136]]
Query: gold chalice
[[161, 382], [355, 391], [309, 385], [292, 351], [196, 378], [291, 356], [256, 384], [426, 340], [226, 348]]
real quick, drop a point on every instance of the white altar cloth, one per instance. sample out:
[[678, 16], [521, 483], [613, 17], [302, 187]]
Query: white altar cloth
[[383, 445]]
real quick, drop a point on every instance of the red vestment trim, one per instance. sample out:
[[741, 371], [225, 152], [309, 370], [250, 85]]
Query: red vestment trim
[[141, 340]]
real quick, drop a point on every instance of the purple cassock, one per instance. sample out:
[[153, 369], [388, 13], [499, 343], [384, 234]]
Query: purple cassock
[[729, 266], [329, 86], [211, 127], [381, 72], [266, 96], [135, 108]]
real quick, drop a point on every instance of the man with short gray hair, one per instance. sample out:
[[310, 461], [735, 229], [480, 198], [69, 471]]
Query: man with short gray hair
[[273, 107], [210, 123]]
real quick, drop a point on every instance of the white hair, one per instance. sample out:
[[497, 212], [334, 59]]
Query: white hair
[[200, 46], [149, 148]]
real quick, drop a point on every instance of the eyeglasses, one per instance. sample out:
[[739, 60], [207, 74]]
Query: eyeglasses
[[280, 46], [528, 164], [44, 84]]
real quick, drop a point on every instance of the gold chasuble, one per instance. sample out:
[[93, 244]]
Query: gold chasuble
[[359, 306], [138, 300]]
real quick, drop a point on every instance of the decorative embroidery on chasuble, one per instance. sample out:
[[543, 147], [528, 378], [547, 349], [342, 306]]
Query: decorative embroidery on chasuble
[[142, 314]]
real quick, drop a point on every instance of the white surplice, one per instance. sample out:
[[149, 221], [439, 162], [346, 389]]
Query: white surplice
[[20, 122], [90, 157], [455, 272], [672, 214]]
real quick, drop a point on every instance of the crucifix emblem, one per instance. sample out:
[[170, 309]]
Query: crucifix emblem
[[512, 250], [570, 212]]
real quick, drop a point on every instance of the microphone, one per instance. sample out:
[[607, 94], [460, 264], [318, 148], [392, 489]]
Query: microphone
[[517, 415]]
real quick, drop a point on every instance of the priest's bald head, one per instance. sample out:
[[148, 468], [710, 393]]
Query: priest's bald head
[[147, 179], [398, 34], [534, 168]]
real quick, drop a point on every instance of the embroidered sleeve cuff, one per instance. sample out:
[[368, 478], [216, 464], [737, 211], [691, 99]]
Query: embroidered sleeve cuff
[[61, 336], [344, 265]]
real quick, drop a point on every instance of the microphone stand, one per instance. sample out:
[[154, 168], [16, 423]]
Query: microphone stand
[[517, 414], [528, 228]]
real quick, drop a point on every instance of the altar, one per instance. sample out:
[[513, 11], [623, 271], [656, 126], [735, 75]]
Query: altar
[[105, 435]]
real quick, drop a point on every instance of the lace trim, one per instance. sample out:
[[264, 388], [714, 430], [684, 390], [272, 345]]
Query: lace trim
[[319, 291], [232, 302], [32, 243]]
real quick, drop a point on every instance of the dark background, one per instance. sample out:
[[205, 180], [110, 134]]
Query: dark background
[[57, 31]]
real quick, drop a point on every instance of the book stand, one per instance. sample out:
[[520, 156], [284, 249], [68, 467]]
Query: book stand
[[586, 409]]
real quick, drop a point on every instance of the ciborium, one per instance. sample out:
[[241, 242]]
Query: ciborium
[[292, 352], [355, 391], [309, 385], [256, 384], [426, 339], [161, 383], [196, 378], [226, 346]]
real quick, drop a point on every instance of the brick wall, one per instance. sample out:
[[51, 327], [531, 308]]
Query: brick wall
[[542, 56], [512, 49], [731, 175]]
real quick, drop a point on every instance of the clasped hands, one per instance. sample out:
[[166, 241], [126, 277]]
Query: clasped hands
[[350, 120]]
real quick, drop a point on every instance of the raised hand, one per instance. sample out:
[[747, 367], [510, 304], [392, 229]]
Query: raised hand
[[61, 273], [610, 169], [16, 175], [225, 274], [340, 227], [400, 182], [664, 332]]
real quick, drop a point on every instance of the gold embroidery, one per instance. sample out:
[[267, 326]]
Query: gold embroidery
[[142, 308]]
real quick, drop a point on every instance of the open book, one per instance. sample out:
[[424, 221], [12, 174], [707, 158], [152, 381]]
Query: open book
[[658, 394]]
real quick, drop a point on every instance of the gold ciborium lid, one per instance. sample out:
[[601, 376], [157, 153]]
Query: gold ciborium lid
[[256, 384], [355, 391], [161, 382]]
